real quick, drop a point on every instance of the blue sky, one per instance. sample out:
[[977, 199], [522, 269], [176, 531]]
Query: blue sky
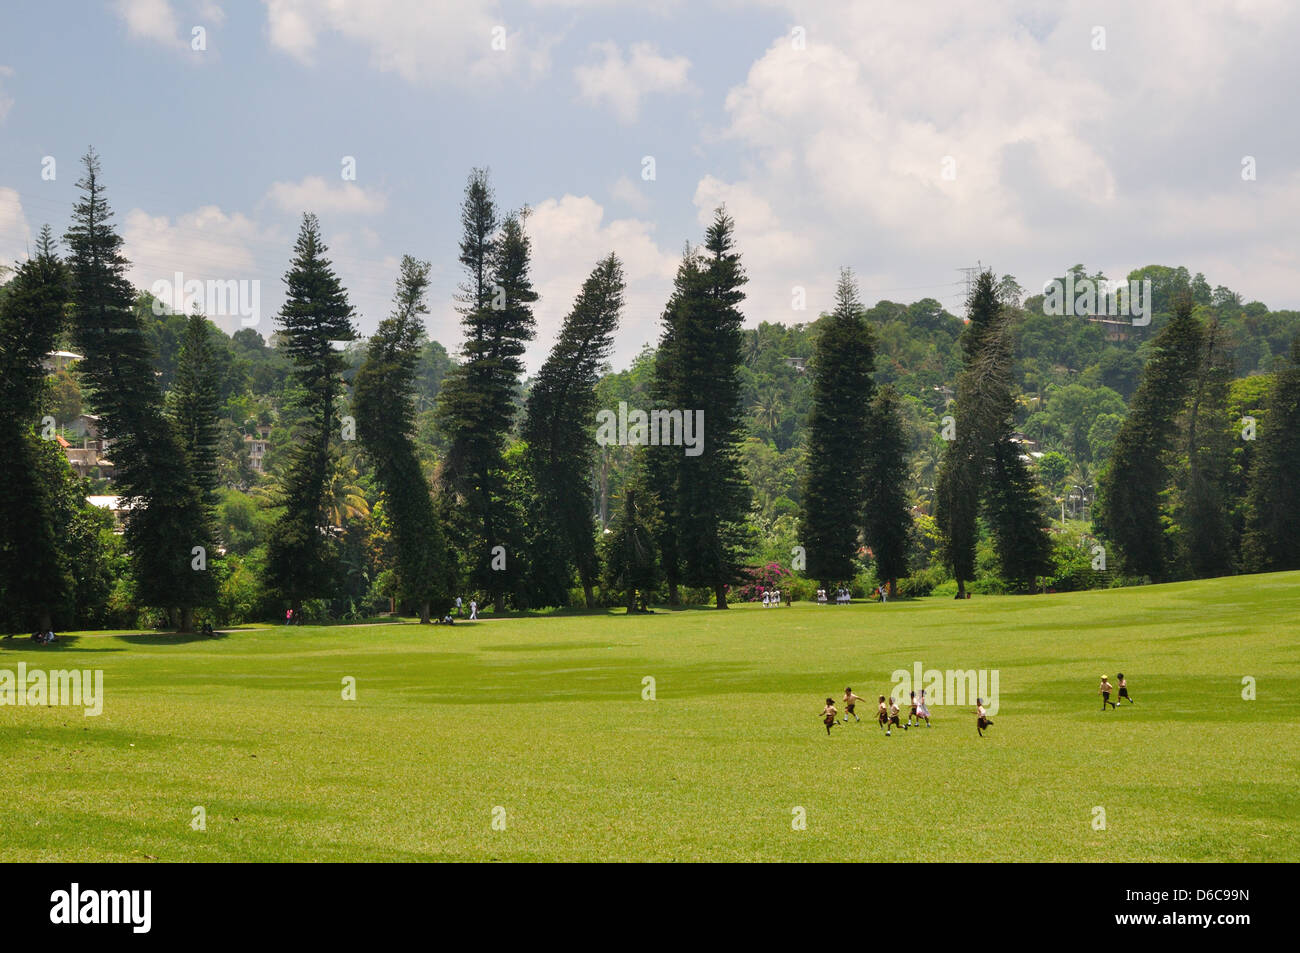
[[903, 140]]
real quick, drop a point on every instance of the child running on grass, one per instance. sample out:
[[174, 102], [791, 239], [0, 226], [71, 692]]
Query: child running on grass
[[893, 716], [913, 710], [882, 714], [1123, 688], [923, 710], [828, 715], [982, 719], [1104, 692], [850, 700]]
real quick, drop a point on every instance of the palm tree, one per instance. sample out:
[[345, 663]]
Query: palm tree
[[925, 471], [767, 410], [344, 500]]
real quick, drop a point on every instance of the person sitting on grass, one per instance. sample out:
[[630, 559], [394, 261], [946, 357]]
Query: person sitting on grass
[[828, 715]]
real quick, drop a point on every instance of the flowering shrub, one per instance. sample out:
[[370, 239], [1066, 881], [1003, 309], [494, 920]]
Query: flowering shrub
[[762, 579]]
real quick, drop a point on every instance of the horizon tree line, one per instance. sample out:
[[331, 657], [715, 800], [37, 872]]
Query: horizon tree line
[[509, 511]]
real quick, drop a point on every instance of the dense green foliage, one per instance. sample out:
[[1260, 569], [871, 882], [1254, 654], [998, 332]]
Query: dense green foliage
[[1074, 442]]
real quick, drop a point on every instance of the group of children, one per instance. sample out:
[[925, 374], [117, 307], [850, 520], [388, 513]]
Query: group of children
[[842, 597], [1107, 688], [887, 712], [772, 597]]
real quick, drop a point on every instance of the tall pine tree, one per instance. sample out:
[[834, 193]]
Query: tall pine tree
[[838, 438], [167, 533], [710, 498], [1130, 491], [385, 411], [32, 580], [1272, 540], [301, 556], [557, 429], [887, 512], [194, 405], [476, 404]]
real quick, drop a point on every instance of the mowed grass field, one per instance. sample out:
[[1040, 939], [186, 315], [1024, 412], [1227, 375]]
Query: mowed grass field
[[540, 723]]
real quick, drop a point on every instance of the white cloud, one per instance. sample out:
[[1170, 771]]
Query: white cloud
[[1062, 153], [630, 194], [150, 20], [420, 40], [15, 233], [315, 194], [204, 245], [569, 236], [621, 83]]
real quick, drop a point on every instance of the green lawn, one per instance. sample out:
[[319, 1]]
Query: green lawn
[[544, 717]]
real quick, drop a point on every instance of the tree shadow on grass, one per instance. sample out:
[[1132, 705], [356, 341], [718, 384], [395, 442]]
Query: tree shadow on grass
[[169, 638], [63, 643]]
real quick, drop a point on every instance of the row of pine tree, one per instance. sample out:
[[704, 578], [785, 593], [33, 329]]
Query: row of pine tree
[[509, 515]]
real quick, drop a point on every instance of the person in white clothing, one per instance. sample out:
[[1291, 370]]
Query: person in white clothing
[[473, 609]]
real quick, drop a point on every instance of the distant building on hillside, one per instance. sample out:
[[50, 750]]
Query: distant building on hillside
[[1028, 447], [116, 506], [257, 447], [1114, 330], [57, 360], [86, 447]]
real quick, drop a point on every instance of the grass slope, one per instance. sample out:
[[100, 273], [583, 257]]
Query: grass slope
[[544, 718]]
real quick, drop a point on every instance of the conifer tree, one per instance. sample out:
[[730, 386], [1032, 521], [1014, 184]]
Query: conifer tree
[[1200, 512], [476, 406], [712, 497], [838, 439], [1129, 498], [32, 579], [664, 464], [887, 513], [557, 426], [166, 532], [385, 411], [194, 405], [1272, 540], [315, 314]]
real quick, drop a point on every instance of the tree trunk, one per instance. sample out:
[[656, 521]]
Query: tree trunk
[[604, 487], [590, 595], [720, 593], [631, 600], [893, 588], [424, 612], [673, 598], [187, 620], [961, 589]]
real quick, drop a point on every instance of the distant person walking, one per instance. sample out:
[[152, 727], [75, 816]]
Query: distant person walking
[[473, 608], [460, 607]]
